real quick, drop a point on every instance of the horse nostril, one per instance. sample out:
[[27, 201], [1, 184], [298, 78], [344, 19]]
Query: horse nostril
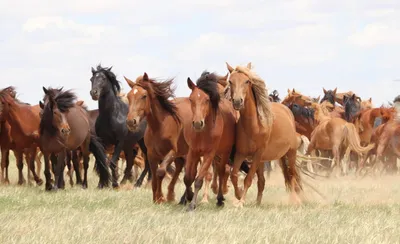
[[134, 121], [241, 100], [201, 123]]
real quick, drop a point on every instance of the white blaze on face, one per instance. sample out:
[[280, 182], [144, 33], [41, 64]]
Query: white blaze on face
[[198, 94], [135, 91]]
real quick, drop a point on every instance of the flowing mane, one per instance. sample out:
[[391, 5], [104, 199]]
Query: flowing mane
[[260, 92], [208, 82], [64, 100], [163, 91], [111, 77]]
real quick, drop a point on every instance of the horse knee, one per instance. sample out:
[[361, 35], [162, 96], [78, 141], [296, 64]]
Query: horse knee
[[198, 183], [161, 172]]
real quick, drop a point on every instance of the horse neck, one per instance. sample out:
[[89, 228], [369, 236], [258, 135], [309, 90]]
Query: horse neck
[[248, 113], [18, 113], [320, 115], [156, 115], [107, 101]]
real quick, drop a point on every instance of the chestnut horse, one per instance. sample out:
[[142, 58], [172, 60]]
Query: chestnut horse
[[23, 120], [210, 132], [265, 131], [335, 134], [163, 136], [65, 126]]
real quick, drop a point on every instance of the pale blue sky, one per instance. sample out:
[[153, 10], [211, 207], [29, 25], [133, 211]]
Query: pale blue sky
[[307, 45]]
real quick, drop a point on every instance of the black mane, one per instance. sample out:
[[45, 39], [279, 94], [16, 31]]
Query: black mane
[[351, 107], [330, 97], [208, 82], [63, 100], [298, 110], [275, 96], [396, 99], [111, 77]]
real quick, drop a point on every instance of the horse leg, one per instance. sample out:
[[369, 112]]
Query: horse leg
[[47, 173], [161, 171], [214, 184], [238, 160], [192, 160], [59, 170], [221, 170], [179, 162], [198, 183], [260, 183], [26, 154], [153, 168], [5, 152], [76, 164], [69, 167], [114, 163], [208, 179], [31, 164], [20, 165], [38, 162]]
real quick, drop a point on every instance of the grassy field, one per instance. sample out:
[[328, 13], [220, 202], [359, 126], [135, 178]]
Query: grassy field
[[354, 211]]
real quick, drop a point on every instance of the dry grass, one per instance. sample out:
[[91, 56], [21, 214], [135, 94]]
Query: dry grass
[[355, 211]]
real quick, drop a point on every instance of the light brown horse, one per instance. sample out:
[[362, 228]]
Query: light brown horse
[[24, 123], [335, 134], [64, 126], [210, 133], [265, 131], [295, 97], [163, 136]]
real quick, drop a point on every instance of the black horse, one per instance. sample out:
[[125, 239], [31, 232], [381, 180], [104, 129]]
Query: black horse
[[110, 124], [352, 107]]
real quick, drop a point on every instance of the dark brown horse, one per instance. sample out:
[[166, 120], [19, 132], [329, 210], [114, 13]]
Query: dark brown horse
[[65, 126], [210, 132], [151, 100], [23, 120]]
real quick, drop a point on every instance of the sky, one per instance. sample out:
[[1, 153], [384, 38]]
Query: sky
[[302, 44]]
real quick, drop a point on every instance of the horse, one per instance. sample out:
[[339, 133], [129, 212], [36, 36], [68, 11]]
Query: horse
[[265, 131], [335, 134], [23, 120], [352, 107], [296, 97], [149, 99], [330, 96], [274, 96], [111, 122], [210, 132], [304, 119], [93, 114], [64, 126]]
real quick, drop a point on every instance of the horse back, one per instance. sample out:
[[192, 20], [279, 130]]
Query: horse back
[[78, 121]]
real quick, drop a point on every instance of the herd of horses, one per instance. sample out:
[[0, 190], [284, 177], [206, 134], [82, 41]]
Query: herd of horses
[[227, 124]]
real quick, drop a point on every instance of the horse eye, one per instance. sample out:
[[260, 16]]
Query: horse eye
[[144, 96], [230, 82], [247, 81]]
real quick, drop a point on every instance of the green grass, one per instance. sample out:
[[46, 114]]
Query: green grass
[[355, 211]]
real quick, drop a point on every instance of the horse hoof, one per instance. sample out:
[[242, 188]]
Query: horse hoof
[[220, 204], [115, 185], [191, 207], [40, 182], [84, 186]]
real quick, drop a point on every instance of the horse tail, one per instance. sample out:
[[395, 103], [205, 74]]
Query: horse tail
[[244, 167], [100, 166], [304, 144], [353, 140]]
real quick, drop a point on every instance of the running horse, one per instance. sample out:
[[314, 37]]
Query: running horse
[[150, 100], [210, 132], [265, 131], [111, 122], [65, 126], [23, 120]]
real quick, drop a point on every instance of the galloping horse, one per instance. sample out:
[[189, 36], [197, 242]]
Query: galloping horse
[[111, 122], [65, 126], [210, 133], [23, 120], [149, 100], [265, 131]]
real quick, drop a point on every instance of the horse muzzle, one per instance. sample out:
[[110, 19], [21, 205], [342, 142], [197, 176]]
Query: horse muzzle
[[132, 124], [65, 131], [237, 103], [94, 94], [198, 125]]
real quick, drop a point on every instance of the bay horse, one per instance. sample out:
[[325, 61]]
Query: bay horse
[[210, 132], [335, 134], [23, 120], [150, 100], [265, 131], [111, 122], [65, 126], [330, 96]]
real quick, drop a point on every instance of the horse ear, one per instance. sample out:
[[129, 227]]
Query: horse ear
[[145, 77], [109, 69], [190, 83], [293, 90], [229, 67], [334, 91], [45, 90], [319, 97], [324, 90], [41, 105], [93, 70], [79, 103], [226, 76], [288, 91], [130, 83], [249, 65], [370, 99], [353, 96]]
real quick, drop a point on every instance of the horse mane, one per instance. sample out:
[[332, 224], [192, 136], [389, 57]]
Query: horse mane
[[305, 112], [163, 91], [208, 82], [275, 96], [260, 91], [64, 100], [111, 77], [329, 97], [396, 99], [351, 106], [11, 89]]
